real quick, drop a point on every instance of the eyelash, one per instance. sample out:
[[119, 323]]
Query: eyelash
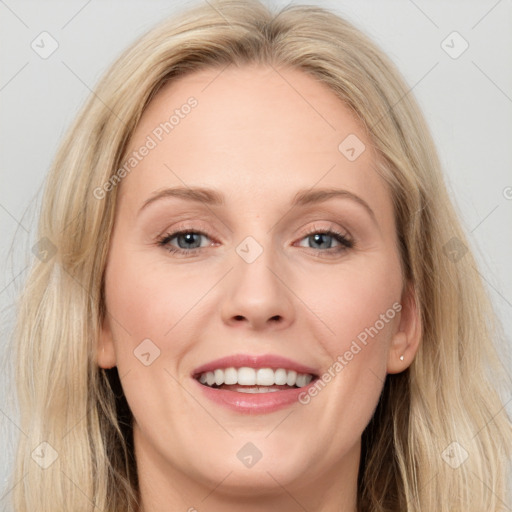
[[345, 243]]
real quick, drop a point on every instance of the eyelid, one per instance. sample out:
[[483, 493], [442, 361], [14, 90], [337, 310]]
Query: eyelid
[[173, 233], [342, 237], [196, 226], [332, 227], [199, 227]]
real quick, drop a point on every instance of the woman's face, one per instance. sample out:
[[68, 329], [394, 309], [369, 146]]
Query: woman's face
[[273, 272]]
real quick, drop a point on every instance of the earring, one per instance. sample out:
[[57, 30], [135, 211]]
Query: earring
[[401, 358]]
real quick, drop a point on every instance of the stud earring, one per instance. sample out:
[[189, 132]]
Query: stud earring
[[401, 358]]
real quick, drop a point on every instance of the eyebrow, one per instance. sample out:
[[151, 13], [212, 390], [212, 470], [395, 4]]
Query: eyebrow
[[196, 194], [212, 197]]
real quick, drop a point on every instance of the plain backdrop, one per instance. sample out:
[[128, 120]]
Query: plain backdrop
[[466, 98]]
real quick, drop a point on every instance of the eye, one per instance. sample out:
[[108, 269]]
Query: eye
[[324, 239], [187, 241]]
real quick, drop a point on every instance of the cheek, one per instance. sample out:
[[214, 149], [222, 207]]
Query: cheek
[[149, 300], [147, 305], [358, 302]]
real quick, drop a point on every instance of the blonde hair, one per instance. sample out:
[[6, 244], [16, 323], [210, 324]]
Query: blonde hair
[[446, 396]]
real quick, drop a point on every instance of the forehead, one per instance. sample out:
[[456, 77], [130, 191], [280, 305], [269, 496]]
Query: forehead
[[254, 132]]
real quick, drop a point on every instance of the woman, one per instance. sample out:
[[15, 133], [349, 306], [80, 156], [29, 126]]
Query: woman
[[251, 299]]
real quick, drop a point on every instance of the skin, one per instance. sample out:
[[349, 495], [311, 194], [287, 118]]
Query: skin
[[258, 141]]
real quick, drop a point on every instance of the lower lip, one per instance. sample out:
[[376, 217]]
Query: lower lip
[[254, 403]]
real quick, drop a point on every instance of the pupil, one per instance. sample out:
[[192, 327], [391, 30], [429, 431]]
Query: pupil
[[189, 238], [319, 238]]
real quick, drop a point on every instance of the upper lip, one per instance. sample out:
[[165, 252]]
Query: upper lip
[[254, 361]]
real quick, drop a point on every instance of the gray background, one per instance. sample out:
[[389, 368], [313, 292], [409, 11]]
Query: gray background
[[467, 102]]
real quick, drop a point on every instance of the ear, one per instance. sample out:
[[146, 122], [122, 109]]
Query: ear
[[105, 349], [406, 340]]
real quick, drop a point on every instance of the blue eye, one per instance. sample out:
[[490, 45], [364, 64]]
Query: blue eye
[[324, 239], [187, 242]]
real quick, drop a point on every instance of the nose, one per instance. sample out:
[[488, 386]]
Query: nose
[[257, 295]]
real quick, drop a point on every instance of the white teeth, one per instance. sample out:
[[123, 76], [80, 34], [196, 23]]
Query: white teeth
[[256, 390], [292, 378], [301, 380], [230, 376], [219, 377], [265, 377], [246, 376], [280, 376]]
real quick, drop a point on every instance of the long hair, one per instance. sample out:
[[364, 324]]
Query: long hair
[[439, 438]]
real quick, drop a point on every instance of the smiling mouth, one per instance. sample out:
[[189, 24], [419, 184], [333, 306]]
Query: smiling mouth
[[254, 380]]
